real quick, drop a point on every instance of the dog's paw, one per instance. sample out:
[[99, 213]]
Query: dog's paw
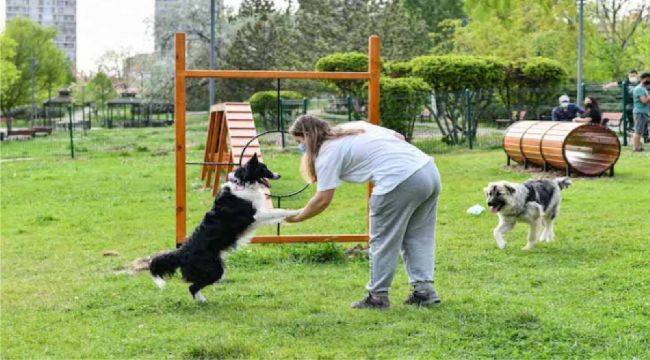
[[160, 282], [527, 247], [294, 212], [501, 245], [200, 298]]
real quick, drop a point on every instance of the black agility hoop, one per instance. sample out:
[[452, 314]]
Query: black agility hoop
[[241, 158]]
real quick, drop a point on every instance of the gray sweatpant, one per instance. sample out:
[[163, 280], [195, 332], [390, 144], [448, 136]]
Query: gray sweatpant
[[404, 220]]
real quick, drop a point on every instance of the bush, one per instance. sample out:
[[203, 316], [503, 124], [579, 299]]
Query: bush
[[265, 103], [458, 72], [530, 83], [398, 69], [402, 99], [449, 76], [350, 61], [541, 72], [345, 62]]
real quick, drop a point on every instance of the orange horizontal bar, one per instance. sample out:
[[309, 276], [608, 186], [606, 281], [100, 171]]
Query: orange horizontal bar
[[274, 239], [276, 74]]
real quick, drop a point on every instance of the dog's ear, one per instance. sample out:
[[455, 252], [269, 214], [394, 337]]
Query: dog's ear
[[254, 160], [510, 189]]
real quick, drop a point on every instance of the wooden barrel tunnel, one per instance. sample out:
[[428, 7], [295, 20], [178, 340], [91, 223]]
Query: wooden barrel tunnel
[[574, 147]]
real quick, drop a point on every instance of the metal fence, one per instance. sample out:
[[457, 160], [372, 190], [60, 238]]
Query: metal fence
[[439, 122]]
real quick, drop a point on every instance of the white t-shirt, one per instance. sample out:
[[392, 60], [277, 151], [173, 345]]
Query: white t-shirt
[[375, 155]]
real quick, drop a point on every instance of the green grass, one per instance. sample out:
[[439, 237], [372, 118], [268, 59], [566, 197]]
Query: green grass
[[584, 295]]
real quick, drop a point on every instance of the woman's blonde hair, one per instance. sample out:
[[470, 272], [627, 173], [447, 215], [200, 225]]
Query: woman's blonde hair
[[315, 131]]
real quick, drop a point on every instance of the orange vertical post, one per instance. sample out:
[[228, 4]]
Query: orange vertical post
[[179, 113], [373, 95]]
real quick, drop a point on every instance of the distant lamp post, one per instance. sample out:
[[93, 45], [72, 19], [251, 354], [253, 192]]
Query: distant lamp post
[[213, 56], [581, 6]]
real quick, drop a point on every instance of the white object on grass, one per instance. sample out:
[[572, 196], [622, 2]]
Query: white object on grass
[[475, 210]]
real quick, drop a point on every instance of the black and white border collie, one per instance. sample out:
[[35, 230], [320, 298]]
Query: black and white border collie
[[237, 211], [536, 202]]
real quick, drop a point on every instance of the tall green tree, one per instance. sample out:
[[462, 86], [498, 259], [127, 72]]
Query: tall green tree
[[35, 45], [256, 45], [514, 29], [100, 89], [9, 73], [434, 11], [621, 26]]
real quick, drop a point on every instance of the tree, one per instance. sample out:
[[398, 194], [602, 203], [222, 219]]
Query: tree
[[34, 45], [620, 25], [433, 12], [100, 89], [193, 18], [256, 44], [55, 69], [10, 73], [325, 27]]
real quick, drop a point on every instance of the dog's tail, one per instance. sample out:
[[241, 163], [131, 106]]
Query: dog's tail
[[164, 265], [563, 182]]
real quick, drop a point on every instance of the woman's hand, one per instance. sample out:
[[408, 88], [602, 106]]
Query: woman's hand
[[294, 218], [319, 202]]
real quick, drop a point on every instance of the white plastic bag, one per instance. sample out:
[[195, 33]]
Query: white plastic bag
[[475, 210]]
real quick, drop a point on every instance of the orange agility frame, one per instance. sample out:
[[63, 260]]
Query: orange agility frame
[[182, 73]]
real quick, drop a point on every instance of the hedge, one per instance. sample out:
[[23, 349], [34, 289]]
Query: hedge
[[458, 72], [345, 62], [538, 72], [398, 69], [265, 103], [401, 100]]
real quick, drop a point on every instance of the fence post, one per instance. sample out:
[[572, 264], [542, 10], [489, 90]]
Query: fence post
[[282, 123], [305, 105], [625, 117], [468, 116], [70, 130], [348, 103]]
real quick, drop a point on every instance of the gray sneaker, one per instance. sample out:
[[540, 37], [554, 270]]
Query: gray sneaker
[[372, 302], [427, 298]]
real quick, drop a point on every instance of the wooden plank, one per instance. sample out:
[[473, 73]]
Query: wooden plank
[[284, 239], [223, 154], [237, 107], [241, 142], [232, 116], [209, 141], [179, 114], [277, 74], [247, 133]]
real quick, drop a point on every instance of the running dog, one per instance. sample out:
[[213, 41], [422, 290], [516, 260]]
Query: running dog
[[237, 211], [536, 202]]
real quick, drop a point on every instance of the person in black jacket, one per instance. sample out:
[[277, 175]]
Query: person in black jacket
[[592, 112]]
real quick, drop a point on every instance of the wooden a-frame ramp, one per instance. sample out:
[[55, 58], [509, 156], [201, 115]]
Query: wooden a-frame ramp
[[230, 129]]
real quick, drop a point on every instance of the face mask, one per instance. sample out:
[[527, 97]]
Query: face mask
[[301, 148], [564, 105], [633, 79]]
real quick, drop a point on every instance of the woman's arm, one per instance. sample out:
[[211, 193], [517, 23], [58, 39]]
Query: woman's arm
[[316, 205]]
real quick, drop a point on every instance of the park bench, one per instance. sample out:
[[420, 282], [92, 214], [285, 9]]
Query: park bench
[[45, 130], [514, 117], [612, 120]]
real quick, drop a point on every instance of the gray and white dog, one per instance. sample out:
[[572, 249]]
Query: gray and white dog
[[536, 202]]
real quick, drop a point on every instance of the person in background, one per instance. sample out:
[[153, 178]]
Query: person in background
[[592, 112], [566, 111], [641, 110]]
